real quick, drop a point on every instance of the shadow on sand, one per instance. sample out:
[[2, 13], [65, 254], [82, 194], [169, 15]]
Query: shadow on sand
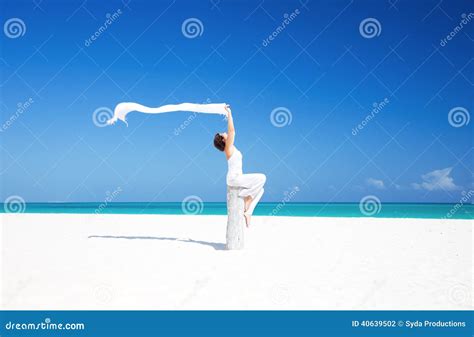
[[215, 245]]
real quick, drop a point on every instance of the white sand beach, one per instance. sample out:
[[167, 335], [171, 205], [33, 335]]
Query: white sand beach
[[60, 261]]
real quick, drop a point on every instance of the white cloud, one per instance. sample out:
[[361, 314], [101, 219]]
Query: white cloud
[[437, 180], [376, 183]]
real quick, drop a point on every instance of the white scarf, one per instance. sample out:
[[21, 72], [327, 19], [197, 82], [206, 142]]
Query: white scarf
[[122, 109]]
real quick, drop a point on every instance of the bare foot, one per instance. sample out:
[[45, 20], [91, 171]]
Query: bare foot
[[247, 219], [247, 200]]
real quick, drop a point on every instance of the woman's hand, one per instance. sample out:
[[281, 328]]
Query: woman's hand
[[227, 108]]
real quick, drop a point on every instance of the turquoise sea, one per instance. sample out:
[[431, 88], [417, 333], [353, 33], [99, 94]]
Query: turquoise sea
[[385, 210]]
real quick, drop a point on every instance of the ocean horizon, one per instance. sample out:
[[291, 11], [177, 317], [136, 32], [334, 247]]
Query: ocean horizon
[[297, 209]]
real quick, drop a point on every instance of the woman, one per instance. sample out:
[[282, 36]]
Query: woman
[[251, 184]]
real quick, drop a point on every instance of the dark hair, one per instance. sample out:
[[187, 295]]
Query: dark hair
[[219, 142]]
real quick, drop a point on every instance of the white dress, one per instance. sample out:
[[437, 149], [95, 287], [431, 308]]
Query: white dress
[[251, 184]]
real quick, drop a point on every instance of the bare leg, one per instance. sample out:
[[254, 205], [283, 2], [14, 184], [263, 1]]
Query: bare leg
[[247, 216], [248, 200], [252, 190], [249, 211]]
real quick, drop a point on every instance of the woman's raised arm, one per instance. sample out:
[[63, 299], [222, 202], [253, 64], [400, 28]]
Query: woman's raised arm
[[229, 143]]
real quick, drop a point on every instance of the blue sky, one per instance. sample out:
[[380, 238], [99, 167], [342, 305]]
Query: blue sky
[[319, 69]]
